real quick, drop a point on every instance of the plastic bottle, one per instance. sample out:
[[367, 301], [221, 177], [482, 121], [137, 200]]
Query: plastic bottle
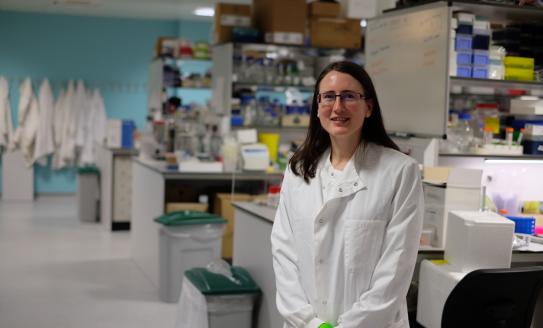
[[463, 133], [509, 136], [273, 195]]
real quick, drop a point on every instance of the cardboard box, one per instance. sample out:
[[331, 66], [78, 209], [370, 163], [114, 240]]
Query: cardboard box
[[172, 207], [227, 16], [280, 16], [223, 207], [323, 9], [335, 33]]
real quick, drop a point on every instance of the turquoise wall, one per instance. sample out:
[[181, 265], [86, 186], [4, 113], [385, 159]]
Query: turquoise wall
[[110, 53]]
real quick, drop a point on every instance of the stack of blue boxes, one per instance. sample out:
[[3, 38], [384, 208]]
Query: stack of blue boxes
[[471, 45]]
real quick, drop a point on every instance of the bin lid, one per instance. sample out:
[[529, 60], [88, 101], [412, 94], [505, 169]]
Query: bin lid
[[188, 217], [209, 283], [88, 170]]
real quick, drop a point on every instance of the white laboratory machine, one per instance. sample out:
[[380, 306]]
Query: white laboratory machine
[[475, 240], [255, 156], [447, 189]]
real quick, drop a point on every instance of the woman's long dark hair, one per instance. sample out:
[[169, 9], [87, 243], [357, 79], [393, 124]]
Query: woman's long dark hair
[[305, 160]]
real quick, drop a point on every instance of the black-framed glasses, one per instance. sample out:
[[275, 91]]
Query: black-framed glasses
[[347, 97]]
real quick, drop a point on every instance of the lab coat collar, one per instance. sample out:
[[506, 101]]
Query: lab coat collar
[[353, 181]]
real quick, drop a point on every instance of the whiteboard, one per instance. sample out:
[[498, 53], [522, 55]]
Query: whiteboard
[[407, 59]]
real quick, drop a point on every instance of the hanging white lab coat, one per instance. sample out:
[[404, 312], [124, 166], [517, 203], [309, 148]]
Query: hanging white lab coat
[[99, 119], [6, 125], [95, 128], [67, 147], [82, 113], [349, 260], [28, 119], [44, 137], [58, 122]]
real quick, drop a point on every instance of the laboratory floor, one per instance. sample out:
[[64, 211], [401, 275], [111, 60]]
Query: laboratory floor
[[56, 272]]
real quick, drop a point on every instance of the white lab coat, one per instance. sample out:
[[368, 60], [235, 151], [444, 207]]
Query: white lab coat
[[99, 119], [95, 127], [6, 125], [58, 123], [44, 138], [28, 119], [349, 260], [67, 147]]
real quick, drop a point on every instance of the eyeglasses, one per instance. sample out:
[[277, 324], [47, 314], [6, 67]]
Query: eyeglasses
[[347, 97]]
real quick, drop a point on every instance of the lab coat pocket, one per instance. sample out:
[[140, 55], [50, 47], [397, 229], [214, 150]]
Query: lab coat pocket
[[363, 241]]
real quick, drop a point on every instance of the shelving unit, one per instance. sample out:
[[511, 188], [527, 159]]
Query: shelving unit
[[276, 68], [159, 92], [416, 90]]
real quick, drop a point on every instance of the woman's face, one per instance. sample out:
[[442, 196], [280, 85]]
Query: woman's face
[[342, 116]]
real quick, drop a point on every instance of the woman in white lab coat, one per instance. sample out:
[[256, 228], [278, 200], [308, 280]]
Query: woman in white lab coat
[[346, 233]]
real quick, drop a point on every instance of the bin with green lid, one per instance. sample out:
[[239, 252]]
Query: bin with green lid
[[227, 302], [88, 193], [187, 239]]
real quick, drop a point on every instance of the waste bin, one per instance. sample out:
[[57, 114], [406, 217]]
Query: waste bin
[[187, 239], [211, 300], [88, 194]]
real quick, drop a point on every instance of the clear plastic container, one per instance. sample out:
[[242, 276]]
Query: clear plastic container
[[461, 135]]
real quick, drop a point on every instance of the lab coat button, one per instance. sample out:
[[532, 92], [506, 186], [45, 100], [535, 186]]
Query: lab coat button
[[321, 221], [356, 184], [340, 189]]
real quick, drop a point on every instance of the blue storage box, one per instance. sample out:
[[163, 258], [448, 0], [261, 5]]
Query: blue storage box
[[463, 42], [463, 57], [463, 71], [464, 28], [481, 41], [481, 57], [479, 72], [524, 225], [236, 120], [127, 135], [532, 147]]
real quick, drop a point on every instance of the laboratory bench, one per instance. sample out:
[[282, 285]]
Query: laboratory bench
[[252, 250], [154, 186]]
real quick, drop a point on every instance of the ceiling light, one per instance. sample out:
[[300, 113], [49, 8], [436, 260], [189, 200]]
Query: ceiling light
[[204, 11]]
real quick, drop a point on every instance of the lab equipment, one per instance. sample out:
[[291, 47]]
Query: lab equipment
[[447, 189], [475, 240], [255, 157], [478, 240]]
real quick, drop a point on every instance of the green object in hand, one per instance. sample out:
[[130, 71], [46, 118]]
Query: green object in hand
[[326, 325]]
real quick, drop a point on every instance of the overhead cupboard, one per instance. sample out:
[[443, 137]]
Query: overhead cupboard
[[415, 56]]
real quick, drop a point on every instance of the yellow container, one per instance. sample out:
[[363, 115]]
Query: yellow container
[[271, 140], [519, 74], [519, 62]]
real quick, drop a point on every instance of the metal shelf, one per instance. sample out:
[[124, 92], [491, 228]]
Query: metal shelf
[[498, 11], [271, 87], [188, 88], [498, 84]]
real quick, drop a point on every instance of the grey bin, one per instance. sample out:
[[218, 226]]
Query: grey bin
[[88, 194], [187, 239], [229, 304]]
